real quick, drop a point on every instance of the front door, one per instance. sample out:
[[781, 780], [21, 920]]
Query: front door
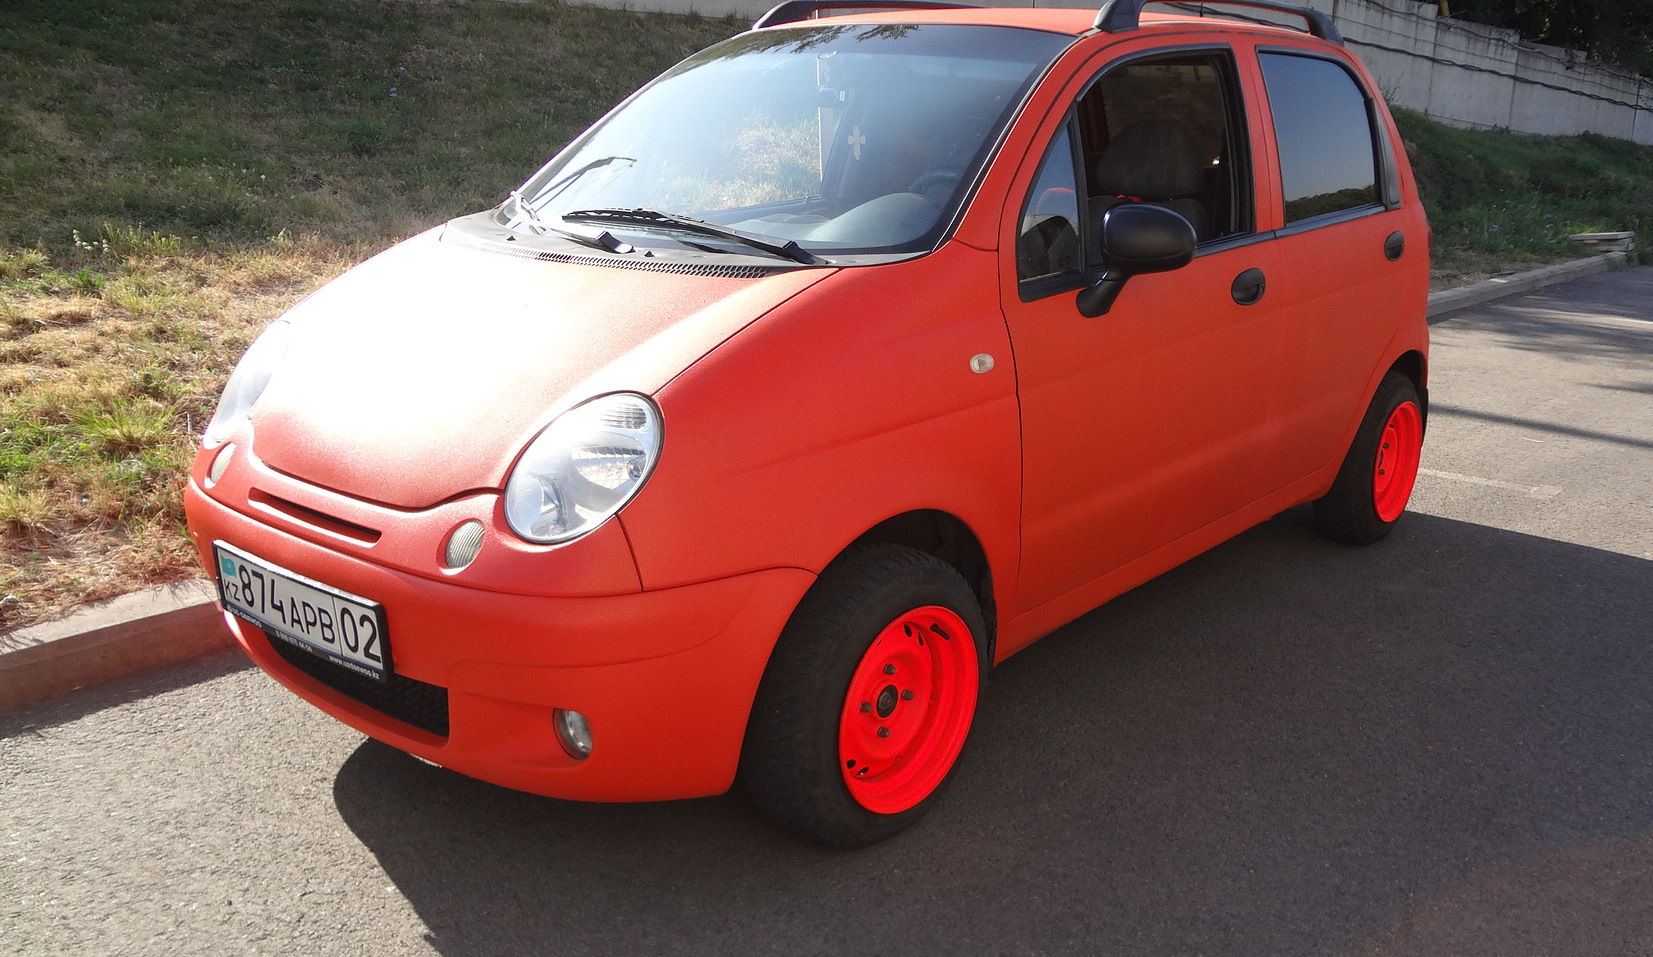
[[1154, 420]]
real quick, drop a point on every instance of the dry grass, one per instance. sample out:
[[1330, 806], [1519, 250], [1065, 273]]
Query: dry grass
[[198, 128], [1467, 266], [103, 393]]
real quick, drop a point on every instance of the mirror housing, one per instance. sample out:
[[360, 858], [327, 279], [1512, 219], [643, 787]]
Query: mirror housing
[[1137, 238]]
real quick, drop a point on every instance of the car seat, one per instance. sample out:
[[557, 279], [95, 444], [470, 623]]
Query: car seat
[[1155, 162]]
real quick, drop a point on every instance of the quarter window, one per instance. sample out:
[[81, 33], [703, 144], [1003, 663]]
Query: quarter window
[[1328, 159], [1049, 234]]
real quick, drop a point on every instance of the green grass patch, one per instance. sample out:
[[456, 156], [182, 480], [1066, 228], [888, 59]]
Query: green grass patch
[[1504, 199], [230, 120]]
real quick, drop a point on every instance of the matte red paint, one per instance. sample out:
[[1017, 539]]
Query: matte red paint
[[908, 709], [1396, 468], [800, 411], [421, 374]]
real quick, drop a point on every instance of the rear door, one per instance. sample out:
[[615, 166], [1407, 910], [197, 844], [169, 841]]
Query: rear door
[[1349, 276], [1154, 420]]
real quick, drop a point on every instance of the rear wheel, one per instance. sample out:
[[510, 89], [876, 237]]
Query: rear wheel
[[868, 698], [1375, 482]]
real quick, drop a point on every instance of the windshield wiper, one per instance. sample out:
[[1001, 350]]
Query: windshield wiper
[[655, 218], [602, 239], [568, 179]]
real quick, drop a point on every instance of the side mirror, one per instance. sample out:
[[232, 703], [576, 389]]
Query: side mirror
[[1137, 238]]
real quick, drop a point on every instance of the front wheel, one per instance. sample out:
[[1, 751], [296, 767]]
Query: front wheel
[[868, 697], [1376, 479]]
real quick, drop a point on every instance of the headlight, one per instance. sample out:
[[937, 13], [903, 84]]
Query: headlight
[[247, 382], [584, 467]]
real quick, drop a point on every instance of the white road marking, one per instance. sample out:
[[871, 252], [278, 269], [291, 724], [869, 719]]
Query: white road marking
[[1535, 491]]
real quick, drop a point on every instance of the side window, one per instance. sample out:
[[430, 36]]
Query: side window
[[1328, 158], [1163, 130], [1047, 241]]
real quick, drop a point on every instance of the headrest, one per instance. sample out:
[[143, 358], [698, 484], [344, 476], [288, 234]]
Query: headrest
[[1152, 160]]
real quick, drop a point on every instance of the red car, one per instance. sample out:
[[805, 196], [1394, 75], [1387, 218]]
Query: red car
[[831, 368]]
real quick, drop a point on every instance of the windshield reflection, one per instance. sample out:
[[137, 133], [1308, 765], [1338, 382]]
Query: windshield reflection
[[847, 138]]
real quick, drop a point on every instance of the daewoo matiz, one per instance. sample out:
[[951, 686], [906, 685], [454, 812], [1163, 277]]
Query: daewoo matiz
[[828, 370]]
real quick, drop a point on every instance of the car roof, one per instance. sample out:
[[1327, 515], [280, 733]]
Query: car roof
[[1071, 21]]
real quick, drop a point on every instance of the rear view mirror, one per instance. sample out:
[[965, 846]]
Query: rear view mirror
[[1136, 238]]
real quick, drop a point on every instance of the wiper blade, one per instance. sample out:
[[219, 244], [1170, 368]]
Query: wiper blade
[[545, 194], [654, 217], [602, 239]]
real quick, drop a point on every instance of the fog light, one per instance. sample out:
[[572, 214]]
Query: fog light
[[574, 731], [220, 464], [463, 545]]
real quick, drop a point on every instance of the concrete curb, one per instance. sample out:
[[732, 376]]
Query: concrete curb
[[160, 626], [1448, 301], [111, 639]]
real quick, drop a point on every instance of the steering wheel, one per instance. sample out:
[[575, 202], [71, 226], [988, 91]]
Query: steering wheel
[[937, 184]]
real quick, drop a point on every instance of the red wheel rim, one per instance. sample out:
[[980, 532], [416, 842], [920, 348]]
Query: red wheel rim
[[1396, 469], [908, 709]]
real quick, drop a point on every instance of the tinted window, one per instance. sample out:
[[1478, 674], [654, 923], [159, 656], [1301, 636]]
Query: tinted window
[[1157, 130], [1324, 131], [1160, 130]]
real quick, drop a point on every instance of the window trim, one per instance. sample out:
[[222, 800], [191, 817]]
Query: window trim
[[1331, 218]]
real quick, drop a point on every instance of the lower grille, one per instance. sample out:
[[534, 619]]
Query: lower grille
[[422, 705]]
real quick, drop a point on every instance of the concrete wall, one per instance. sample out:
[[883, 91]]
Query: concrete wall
[[1476, 75], [1455, 71]]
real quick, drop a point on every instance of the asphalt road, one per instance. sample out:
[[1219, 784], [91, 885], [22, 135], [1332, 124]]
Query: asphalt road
[[1439, 745]]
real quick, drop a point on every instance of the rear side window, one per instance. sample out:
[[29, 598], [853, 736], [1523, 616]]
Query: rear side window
[[1328, 157]]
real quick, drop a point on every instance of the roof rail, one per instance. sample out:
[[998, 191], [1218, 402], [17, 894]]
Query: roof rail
[[1118, 16], [794, 10]]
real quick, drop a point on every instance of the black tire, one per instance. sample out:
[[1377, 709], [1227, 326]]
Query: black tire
[[1349, 512], [790, 763]]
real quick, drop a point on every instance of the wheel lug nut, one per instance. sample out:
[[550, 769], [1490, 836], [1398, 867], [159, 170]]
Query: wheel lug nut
[[889, 669], [907, 695], [866, 707], [883, 732]]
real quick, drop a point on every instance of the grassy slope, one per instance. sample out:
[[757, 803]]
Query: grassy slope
[[231, 120], [175, 173], [1499, 199]]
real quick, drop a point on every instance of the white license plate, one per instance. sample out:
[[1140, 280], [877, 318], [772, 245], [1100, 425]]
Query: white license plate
[[318, 618]]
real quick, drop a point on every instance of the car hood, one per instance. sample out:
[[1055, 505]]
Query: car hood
[[423, 372]]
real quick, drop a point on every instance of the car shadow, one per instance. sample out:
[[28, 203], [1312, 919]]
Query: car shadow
[[74, 705], [1596, 318], [1285, 746]]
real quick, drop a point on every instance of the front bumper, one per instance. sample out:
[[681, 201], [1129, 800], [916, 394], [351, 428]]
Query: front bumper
[[665, 677]]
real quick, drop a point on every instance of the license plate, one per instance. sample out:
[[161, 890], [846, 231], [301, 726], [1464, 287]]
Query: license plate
[[319, 618]]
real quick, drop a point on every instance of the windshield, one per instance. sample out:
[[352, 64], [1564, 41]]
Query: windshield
[[858, 138]]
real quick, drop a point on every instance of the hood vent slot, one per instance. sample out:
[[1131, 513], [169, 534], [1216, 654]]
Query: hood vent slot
[[310, 518]]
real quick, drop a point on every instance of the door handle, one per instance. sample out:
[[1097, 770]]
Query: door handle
[[1248, 287], [1394, 246]]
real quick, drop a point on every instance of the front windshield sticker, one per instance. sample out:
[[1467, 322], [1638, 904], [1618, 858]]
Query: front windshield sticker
[[857, 139]]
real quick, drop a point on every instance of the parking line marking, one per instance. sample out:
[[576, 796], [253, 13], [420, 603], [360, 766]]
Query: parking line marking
[[1535, 491]]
